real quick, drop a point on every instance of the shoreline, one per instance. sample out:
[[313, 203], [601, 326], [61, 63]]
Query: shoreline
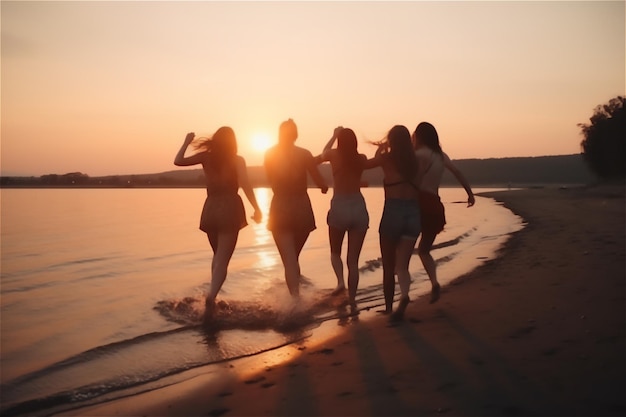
[[538, 330]]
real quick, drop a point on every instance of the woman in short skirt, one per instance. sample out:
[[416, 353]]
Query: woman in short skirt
[[432, 161], [223, 214]]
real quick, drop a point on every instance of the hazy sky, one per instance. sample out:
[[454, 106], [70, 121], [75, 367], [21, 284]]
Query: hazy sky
[[113, 87]]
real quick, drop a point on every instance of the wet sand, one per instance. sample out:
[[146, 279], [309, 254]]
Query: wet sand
[[540, 330]]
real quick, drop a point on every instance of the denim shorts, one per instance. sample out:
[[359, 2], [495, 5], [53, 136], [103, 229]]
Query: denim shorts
[[400, 220], [348, 212]]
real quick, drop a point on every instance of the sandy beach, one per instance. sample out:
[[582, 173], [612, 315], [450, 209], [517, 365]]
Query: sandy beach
[[540, 330]]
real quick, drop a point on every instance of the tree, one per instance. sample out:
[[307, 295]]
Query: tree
[[604, 143]]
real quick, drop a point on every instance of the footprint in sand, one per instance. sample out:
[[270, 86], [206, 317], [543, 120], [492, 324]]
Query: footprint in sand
[[218, 412], [254, 380]]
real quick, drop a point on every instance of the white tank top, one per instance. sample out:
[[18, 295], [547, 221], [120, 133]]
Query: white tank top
[[431, 166]]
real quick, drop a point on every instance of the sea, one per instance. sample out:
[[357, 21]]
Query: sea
[[102, 290]]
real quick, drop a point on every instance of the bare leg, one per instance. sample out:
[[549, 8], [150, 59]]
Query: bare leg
[[403, 257], [289, 251], [388, 253], [425, 245], [224, 248], [335, 237], [355, 244], [299, 241]]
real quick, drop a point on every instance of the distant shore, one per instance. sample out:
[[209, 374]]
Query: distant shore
[[492, 172], [540, 330]]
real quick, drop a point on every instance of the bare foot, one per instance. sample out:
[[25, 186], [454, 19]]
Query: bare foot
[[354, 310], [398, 315], [435, 293], [209, 311], [339, 290]]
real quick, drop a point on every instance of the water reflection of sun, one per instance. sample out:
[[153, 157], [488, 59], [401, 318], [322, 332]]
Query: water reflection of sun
[[266, 251]]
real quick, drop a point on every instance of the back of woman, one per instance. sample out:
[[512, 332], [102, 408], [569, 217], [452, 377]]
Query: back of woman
[[286, 169], [400, 223], [432, 162], [348, 212], [221, 175], [291, 216], [346, 162]]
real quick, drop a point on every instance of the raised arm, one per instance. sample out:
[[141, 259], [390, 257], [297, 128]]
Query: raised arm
[[378, 156], [332, 140], [181, 159], [244, 183], [329, 145], [461, 178]]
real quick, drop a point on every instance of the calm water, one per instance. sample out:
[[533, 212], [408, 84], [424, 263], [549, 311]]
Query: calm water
[[102, 290]]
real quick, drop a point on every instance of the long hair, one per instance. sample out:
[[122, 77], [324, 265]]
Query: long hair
[[222, 146], [347, 149], [427, 134], [401, 151]]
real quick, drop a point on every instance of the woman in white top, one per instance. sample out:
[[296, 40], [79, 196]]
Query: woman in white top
[[432, 161]]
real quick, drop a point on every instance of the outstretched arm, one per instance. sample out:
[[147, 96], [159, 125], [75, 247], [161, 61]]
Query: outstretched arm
[[313, 170], [461, 178], [378, 156], [244, 183], [181, 160]]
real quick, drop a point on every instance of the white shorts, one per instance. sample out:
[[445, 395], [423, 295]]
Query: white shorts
[[348, 212]]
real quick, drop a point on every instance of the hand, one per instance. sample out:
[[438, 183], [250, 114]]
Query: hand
[[189, 138], [382, 148], [257, 216], [336, 131], [471, 201]]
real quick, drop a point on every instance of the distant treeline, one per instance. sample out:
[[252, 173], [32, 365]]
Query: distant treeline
[[495, 172]]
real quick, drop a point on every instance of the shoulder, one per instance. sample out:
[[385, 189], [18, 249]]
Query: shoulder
[[270, 152], [303, 153], [240, 161]]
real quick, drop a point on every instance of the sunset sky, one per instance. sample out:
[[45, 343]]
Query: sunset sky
[[112, 87]]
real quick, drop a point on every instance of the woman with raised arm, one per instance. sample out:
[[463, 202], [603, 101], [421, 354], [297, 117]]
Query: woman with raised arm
[[400, 222], [291, 218], [432, 162], [348, 212], [223, 214]]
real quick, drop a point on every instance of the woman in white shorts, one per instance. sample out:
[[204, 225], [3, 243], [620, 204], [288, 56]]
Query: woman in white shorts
[[348, 213]]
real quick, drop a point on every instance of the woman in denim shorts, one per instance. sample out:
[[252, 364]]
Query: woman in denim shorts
[[400, 223]]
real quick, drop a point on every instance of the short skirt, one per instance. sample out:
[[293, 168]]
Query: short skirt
[[292, 213], [223, 213], [432, 213]]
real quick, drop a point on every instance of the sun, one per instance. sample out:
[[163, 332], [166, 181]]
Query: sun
[[260, 142]]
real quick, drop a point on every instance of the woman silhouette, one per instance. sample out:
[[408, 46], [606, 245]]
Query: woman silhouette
[[432, 162], [400, 223], [223, 214], [348, 212], [291, 218]]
